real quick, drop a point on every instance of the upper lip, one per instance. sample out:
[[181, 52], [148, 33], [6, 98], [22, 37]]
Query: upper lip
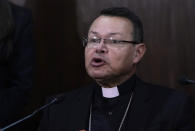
[[98, 58]]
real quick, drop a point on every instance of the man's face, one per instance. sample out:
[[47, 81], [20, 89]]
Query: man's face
[[105, 61]]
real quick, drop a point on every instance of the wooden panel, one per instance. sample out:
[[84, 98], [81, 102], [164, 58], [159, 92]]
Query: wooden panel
[[169, 34]]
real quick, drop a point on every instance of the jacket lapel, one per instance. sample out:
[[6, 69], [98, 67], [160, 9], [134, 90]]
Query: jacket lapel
[[140, 107], [80, 110]]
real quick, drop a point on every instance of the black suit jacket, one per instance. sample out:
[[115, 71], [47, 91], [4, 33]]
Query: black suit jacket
[[16, 72], [153, 108]]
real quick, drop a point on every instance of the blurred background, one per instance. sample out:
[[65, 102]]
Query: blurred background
[[59, 26]]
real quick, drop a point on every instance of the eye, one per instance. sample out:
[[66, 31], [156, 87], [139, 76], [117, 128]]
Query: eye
[[114, 41], [93, 40]]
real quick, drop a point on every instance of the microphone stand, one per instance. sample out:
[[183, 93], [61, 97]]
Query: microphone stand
[[32, 114]]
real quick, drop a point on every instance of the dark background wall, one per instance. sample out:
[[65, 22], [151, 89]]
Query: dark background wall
[[59, 26]]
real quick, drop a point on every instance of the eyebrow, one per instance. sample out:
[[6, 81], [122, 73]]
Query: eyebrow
[[93, 32], [111, 34]]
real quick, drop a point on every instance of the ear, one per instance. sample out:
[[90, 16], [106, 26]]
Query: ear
[[140, 50]]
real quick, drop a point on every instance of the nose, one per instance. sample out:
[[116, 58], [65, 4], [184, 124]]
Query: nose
[[101, 48]]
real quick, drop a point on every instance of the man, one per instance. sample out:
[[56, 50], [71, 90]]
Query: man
[[16, 61], [119, 101]]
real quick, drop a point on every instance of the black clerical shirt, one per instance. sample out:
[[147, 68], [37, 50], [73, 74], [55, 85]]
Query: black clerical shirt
[[107, 113]]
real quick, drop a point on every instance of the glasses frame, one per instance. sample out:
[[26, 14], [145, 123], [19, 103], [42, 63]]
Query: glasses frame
[[85, 41]]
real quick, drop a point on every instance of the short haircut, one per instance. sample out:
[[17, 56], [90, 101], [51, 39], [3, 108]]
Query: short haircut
[[126, 13]]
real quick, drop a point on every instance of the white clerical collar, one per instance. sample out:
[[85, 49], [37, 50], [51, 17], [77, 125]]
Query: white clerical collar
[[110, 92]]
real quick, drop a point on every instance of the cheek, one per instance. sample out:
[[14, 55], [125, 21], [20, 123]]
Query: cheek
[[122, 59], [88, 55]]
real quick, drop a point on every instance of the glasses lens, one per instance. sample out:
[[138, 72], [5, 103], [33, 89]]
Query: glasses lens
[[94, 40], [111, 41]]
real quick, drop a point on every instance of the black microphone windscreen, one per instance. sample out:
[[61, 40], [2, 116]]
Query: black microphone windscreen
[[183, 80]]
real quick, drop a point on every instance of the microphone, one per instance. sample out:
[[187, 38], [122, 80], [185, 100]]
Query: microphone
[[55, 100], [185, 81]]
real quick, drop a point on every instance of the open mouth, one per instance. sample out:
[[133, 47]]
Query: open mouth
[[96, 62]]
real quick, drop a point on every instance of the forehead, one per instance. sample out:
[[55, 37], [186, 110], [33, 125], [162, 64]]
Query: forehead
[[111, 25]]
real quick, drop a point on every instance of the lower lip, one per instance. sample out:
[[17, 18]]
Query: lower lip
[[97, 64]]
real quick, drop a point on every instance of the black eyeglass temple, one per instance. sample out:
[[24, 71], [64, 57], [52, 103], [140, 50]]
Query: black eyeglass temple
[[133, 42]]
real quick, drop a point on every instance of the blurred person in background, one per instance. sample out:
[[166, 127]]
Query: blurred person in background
[[16, 60]]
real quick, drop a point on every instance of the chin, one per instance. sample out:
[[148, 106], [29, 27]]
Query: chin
[[97, 75]]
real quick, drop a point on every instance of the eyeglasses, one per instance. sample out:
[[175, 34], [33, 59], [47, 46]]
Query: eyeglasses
[[94, 42]]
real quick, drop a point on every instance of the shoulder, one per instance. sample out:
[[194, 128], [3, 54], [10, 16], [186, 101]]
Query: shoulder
[[166, 91], [72, 95], [162, 93], [22, 17], [78, 91], [19, 11]]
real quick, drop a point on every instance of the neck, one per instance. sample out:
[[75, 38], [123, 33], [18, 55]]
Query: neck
[[114, 81]]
